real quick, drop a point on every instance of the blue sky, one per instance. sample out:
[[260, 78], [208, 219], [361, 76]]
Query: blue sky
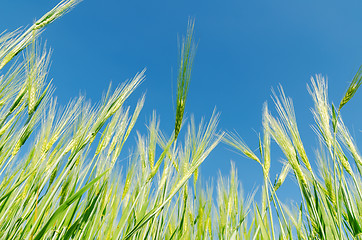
[[244, 49]]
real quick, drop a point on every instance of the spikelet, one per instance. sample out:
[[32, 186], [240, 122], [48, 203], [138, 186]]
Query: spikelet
[[52, 176], [36, 71], [122, 93], [184, 75], [352, 89], [186, 166], [153, 133], [100, 146], [55, 13], [120, 131], [348, 141], [16, 148], [25, 190], [8, 57], [7, 125], [151, 158], [128, 182], [266, 142], [70, 146], [235, 141], [134, 117], [279, 134], [16, 45], [52, 140], [63, 192], [107, 135], [284, 106], [321, 112], [77, 161], [208, 226], [19, 99], [196, 174], [31, 99], [300, 175], [179, 116], [345, 163], [330, 190], [282, 176]]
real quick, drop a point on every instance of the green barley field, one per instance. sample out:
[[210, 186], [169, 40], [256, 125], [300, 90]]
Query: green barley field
[[60, 178]]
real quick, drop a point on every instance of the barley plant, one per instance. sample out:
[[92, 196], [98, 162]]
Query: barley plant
[[60, 177]]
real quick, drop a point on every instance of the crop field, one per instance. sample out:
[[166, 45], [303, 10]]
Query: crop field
[[59, 177]]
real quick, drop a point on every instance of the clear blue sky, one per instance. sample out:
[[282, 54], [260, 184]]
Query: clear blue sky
[[245, 48]]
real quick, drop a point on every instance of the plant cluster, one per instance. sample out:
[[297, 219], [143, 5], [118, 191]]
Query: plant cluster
[[58, 166]]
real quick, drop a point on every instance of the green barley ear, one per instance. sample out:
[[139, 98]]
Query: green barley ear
[[37, 65], [24, 136], [52, 176], [282, 176], [334, 118], [19, 99], [265, 146], [233, 140], [59, 10], [187, 54], [352, 89], [128, 182], [12, 44]]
